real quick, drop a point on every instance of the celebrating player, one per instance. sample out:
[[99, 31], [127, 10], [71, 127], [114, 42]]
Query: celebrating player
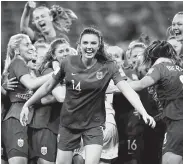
[[167, 75], [87, 76]]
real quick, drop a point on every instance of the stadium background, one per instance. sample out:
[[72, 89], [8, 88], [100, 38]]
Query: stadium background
[[120, 21]]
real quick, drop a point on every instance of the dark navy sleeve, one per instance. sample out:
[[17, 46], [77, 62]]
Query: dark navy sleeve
[[117, 74], [156, 72], [20, 68]]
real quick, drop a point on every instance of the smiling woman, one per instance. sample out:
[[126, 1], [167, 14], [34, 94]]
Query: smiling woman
[[177, 25], [15, 138], [87, 77], [50, 23]]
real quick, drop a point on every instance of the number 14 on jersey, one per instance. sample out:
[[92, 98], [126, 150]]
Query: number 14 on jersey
[[76, 86]]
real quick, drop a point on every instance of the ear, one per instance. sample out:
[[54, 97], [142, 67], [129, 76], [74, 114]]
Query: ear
[[17, 51]]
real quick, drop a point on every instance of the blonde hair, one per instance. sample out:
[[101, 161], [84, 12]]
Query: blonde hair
[[111, 50], [13, 44]]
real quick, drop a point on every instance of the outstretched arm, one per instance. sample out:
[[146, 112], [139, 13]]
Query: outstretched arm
[[24, 22], [145, 82], [134, 99], [41, 92]]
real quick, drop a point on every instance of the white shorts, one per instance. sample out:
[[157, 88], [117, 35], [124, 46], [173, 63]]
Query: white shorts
[[110, 145]]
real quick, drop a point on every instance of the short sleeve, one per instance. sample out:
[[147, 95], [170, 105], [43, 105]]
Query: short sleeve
[[59, 74], [117, 74], [20, 69], [155, 72]]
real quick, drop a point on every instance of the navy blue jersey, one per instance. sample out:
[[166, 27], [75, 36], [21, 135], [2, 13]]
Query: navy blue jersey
[[169, 87], [84, 105]]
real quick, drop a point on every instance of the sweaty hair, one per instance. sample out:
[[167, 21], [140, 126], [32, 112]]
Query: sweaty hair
[[160, 49], [60, 13], [101, 54], [112, 50], [13, 44]]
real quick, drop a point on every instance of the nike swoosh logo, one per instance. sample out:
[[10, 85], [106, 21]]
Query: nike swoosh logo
[[73, 74]]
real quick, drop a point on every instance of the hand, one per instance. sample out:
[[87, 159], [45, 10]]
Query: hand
[[24, 115], [136, 113], [9, 84], [31, 4], [149, 120]]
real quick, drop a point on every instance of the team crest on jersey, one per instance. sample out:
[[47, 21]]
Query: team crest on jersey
[[58, 138], [44, 150], [99, 75], [20, 142]]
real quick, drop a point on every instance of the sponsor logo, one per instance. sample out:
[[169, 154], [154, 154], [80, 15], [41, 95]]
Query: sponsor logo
[[99, 75], [20, 142], [44, 150]]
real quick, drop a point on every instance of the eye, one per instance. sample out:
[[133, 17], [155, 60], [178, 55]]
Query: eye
[[42, 16], [85, 42], [67, 50], [61, 51], [94, 43]]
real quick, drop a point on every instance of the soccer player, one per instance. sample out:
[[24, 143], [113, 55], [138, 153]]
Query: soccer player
[[130, 127], [87, 76], [165, 73], [45, 121], [177, 26], [50, 23], [14, 135]]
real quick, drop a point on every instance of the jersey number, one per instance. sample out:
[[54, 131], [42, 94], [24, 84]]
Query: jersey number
[[132, 145], [76, 87]]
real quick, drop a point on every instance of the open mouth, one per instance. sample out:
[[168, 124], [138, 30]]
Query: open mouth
[[178, 33], [89, 51], [42, 24]]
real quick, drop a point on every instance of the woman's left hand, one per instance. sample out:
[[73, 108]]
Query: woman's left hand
[[149, 120], [24, 115]]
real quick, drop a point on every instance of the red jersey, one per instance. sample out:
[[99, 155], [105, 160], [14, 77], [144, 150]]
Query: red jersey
[[169, 81], [84, 105]]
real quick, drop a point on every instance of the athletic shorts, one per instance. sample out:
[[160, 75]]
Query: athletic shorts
[[173, 139], [43, 144], [69, 139], [131, 144], [110, 143], [15, 138]]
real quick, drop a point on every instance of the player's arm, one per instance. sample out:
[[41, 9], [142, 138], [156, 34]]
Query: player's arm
[[24, 22], [33, 83], [134, 99], [59, 93], [145, 82], [151, 78], [48, 99]]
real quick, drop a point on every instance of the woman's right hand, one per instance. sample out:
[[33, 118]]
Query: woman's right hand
[[10, 84], [31, 4], [24, 115]]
